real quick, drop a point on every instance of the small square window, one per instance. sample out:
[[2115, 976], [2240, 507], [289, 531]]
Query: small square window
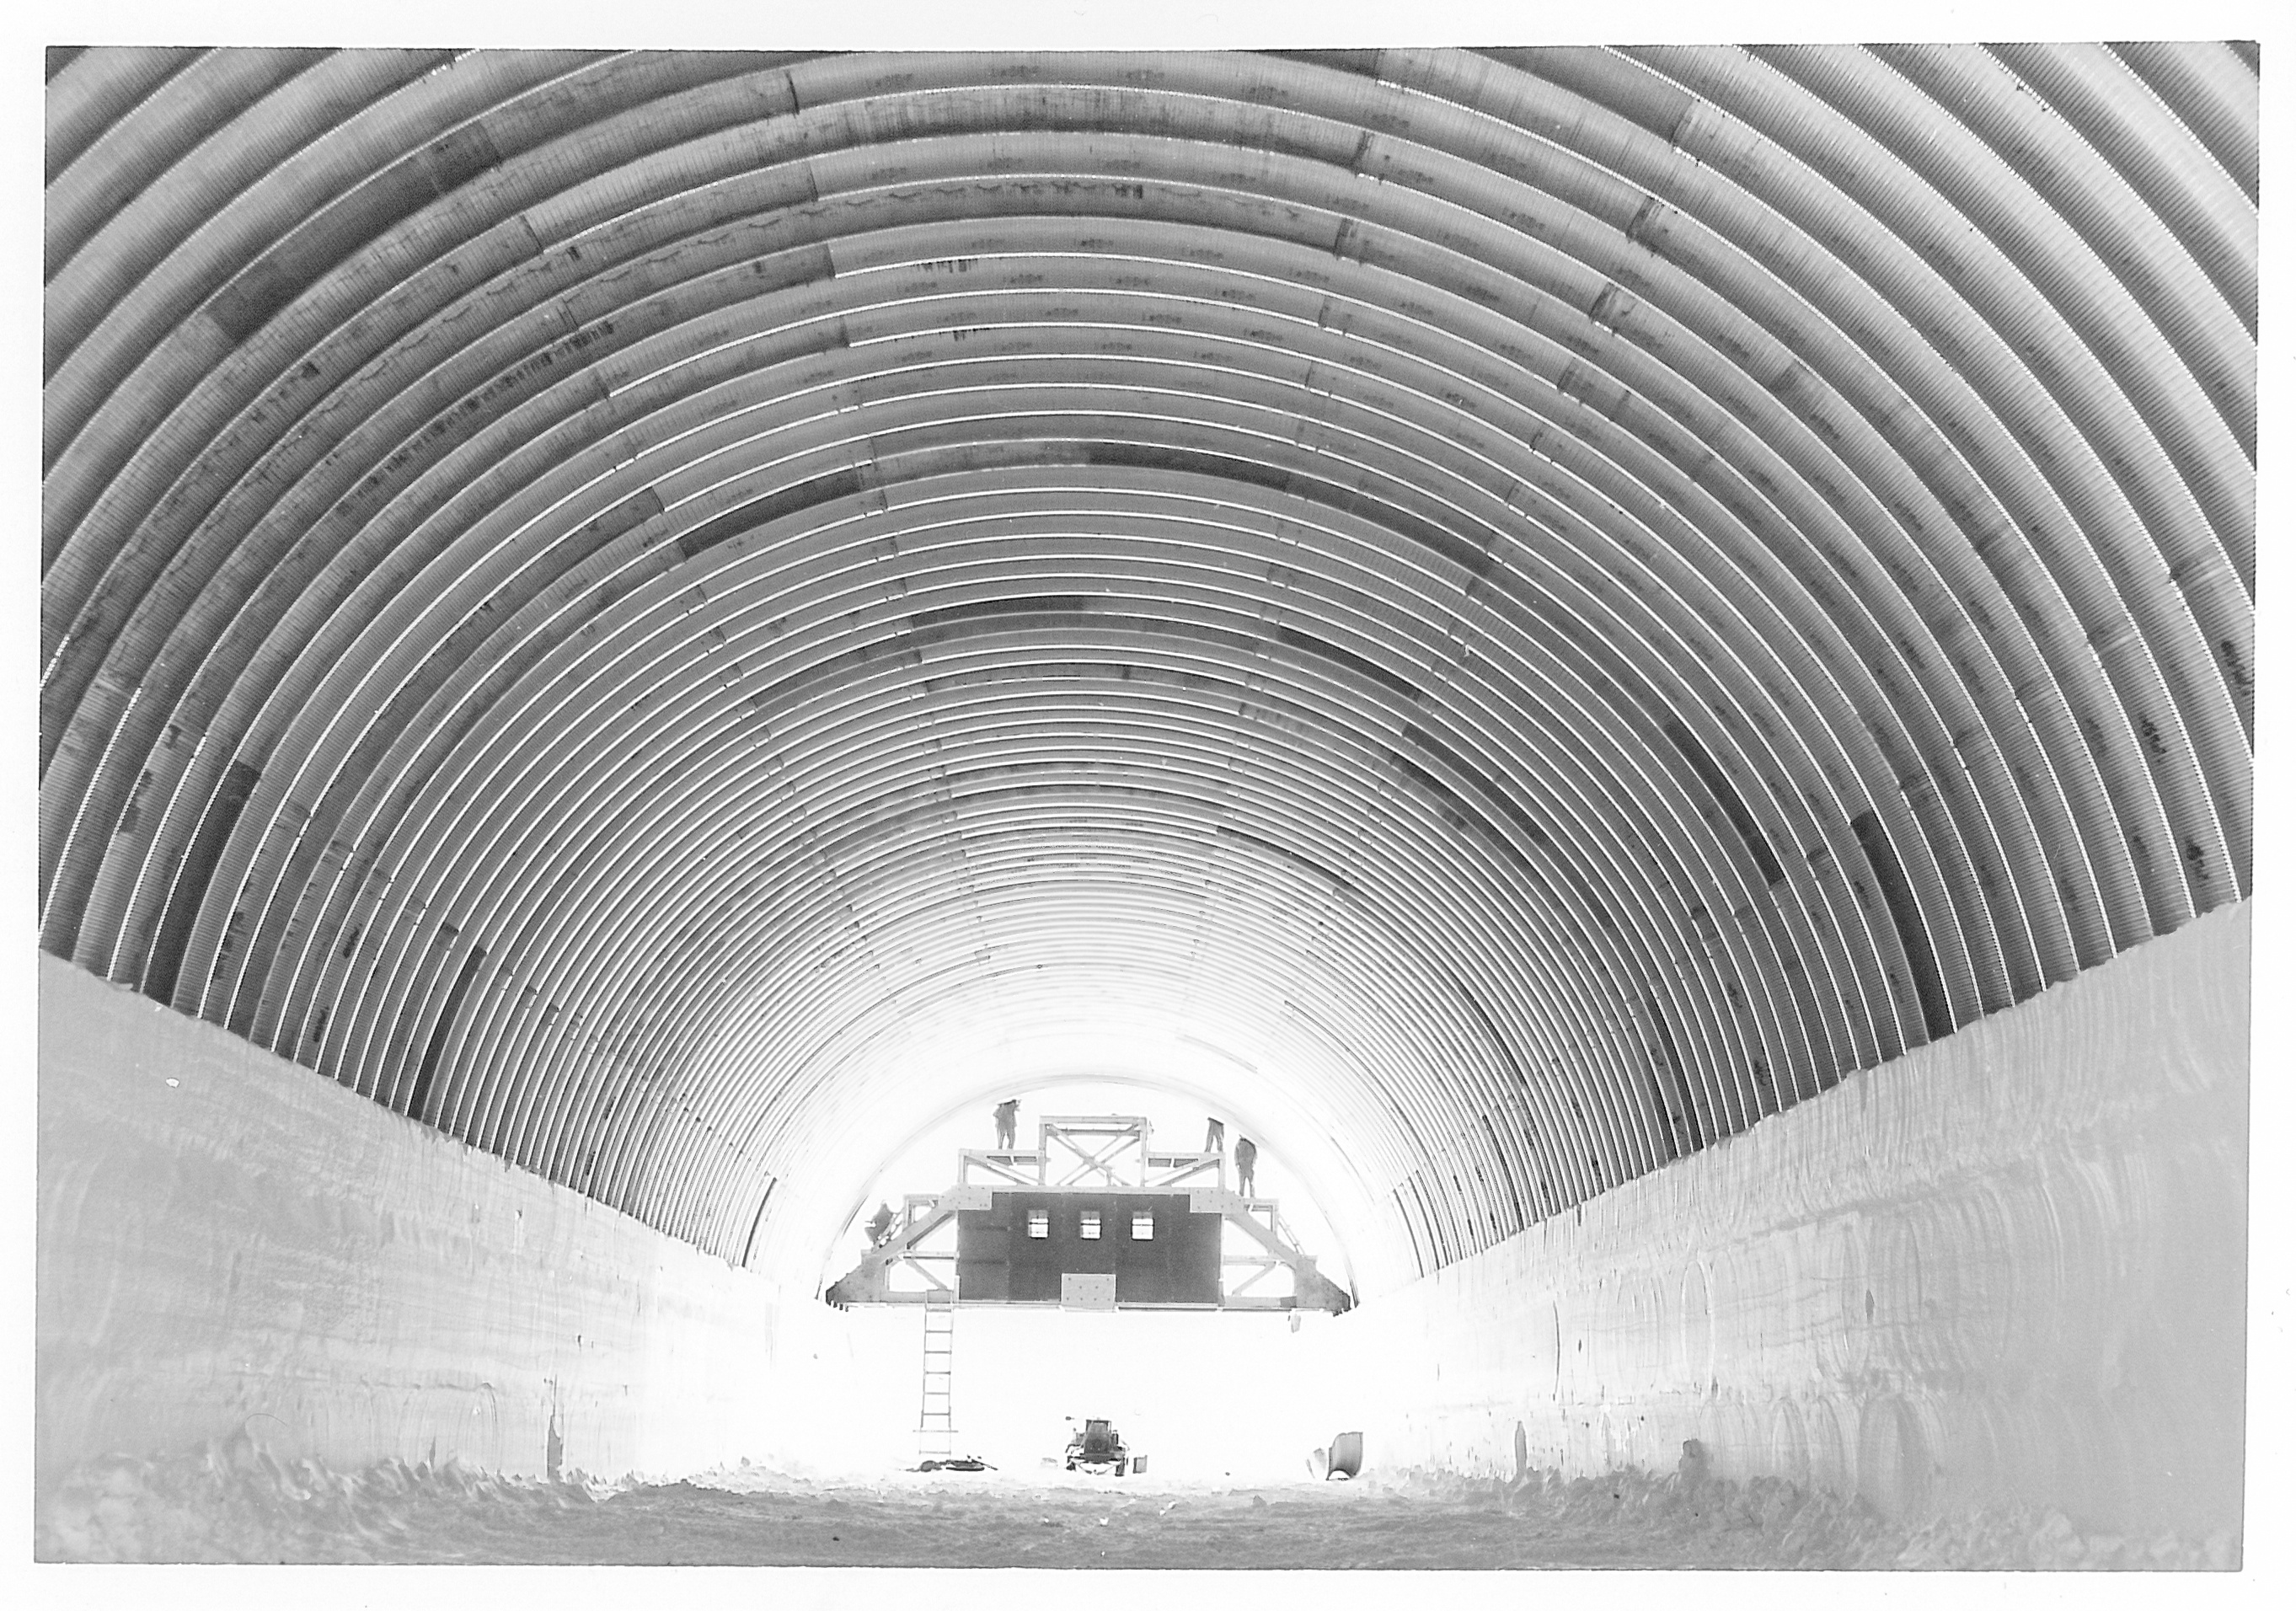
[[1088, 1224], [1143, 1227], [1040, 1223]]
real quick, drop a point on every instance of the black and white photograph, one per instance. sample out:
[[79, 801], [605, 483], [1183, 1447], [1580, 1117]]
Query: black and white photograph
[[978, 804]]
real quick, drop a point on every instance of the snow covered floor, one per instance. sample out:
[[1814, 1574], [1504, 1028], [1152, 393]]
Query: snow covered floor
[[235, 1504]]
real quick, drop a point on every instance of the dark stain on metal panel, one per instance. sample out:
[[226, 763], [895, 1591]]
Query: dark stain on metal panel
[[421, 1095], [1287, 854], [1670, 1053], [776, 506], [191, 881], [993, 608], [1369, 671], [1734, 805], [1905, 917]]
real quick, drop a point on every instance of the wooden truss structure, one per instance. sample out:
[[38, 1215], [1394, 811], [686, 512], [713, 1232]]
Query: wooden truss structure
[[916, 1262]]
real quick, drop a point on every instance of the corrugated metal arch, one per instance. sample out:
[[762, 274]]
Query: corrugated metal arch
[[1511, 612]]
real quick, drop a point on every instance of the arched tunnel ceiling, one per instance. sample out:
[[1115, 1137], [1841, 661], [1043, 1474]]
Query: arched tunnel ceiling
[[1521, 610]]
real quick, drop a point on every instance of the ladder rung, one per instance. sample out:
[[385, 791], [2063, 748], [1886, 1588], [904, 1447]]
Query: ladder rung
[[936, 1406]]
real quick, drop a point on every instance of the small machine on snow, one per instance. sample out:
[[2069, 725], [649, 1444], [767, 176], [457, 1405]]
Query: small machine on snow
[[1097, 1448]]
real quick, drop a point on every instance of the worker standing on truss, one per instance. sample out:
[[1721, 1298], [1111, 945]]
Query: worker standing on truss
[[1008, 1124], [1215, 1136], [1246, 1157]]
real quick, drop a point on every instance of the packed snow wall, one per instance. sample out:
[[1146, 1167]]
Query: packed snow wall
[[228, 1242], [2008, 1268]]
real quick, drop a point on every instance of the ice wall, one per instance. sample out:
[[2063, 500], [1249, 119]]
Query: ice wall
[[2010, 1267], [228, 1241], [2007, 1268]]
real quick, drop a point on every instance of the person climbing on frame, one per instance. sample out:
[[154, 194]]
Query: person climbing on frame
[[1246, 1157], [1215, 1136], [1008, 1122], [881, 1224]]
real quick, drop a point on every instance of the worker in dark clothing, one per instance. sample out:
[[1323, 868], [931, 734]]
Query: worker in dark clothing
[[1008, 1121], [1247, 1158], [1215, 1135], [881, 1225]]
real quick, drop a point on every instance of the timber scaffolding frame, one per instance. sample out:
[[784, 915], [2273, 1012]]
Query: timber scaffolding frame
[[1104, 1155]]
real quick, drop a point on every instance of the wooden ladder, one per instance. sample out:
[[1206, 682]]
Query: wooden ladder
[[936, 1421]]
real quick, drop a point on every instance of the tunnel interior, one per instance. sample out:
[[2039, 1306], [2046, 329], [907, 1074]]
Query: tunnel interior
[[1594, 644]]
